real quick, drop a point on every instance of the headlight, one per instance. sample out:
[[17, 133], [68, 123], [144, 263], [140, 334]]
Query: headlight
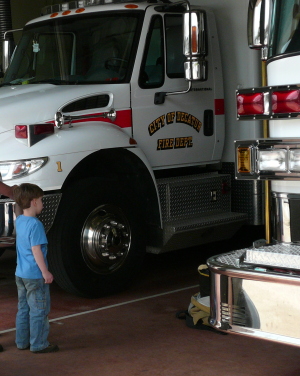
[[272, 160], [294, 160], [17, 169]]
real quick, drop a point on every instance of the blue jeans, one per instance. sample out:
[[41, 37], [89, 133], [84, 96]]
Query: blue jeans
[[32, 324]]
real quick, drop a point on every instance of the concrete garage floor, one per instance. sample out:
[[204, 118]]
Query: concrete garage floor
[[135, 333]]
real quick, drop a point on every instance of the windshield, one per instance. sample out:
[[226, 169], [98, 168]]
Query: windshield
[[285, 29], [77, 50]]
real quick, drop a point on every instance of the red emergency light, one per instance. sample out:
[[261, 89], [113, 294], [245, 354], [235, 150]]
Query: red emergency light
[[286, 101], [268, 102], [250, 104]]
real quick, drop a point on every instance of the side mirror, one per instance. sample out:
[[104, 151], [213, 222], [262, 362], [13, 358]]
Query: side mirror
[[7, 49], [194, 46], [259, 24], [8, 46]]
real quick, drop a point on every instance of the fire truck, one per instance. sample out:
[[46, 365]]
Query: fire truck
[[116, 109], [255, 291]]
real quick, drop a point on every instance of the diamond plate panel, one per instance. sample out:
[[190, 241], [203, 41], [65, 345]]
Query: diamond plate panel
[[277, 255], [247, 196], [192, 196]]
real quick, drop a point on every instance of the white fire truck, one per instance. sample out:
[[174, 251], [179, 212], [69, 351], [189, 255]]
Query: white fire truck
[[116, 110], [255, 291]]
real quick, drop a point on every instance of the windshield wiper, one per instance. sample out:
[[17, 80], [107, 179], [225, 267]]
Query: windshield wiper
[[10, 84]]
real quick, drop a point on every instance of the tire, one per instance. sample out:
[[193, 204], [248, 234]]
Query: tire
[[96, 245]]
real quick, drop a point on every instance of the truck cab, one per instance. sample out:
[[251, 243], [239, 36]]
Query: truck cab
[[120, 120]]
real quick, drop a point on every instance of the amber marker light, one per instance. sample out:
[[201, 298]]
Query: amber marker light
[[54, 15], [66, 12], [80, 10], [132, 141], [194, 40], [244, 160], [131, 6]]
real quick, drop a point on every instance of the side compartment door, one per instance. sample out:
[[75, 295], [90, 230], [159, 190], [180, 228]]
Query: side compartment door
[[171, 134]]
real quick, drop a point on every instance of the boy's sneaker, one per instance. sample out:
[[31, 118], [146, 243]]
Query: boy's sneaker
[[49, 349], [24, 348]]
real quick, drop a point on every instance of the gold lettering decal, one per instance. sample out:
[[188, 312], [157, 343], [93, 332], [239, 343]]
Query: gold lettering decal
[[175, 143]]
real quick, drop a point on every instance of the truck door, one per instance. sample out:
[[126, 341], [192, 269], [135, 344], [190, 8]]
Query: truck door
[[173, 133]]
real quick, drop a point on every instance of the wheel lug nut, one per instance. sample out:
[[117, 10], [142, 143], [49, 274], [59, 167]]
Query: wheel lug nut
[[113, 223]]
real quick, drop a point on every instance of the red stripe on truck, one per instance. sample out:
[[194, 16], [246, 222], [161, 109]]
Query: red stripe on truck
[[219, 107]]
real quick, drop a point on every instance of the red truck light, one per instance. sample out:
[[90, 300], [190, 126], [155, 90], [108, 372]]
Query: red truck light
[[43, 129], [250, 104], [21, 131], [286, 101], [269, 102]]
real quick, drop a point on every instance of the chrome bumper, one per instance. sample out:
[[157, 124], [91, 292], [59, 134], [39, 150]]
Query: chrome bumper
[[9, 212], [256, 300]]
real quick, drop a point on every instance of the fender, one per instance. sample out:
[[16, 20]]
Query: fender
[[129, 170], [64, 150]]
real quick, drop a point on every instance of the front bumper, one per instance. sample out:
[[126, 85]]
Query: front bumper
[[9, 212], [256, 300]]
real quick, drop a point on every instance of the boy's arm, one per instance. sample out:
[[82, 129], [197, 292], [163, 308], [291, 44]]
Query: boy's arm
[[39, 258], [6, 190]]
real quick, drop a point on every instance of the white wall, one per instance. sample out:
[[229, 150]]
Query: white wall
[[25, 10]]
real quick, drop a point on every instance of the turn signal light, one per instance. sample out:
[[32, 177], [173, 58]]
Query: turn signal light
[[22, 131], [250, 104], [244, 160], [43, 129]]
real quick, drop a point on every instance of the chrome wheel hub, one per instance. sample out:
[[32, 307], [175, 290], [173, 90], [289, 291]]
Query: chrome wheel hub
[[105, 239]]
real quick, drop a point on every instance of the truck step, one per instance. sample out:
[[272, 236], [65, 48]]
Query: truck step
[[190, 232]]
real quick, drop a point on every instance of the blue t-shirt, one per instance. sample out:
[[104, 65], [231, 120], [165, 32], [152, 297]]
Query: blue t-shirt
[[30, 232]]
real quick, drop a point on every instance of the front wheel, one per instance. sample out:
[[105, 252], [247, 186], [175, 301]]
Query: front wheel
[[96, 245]]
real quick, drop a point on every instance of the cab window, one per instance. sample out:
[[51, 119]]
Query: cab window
[[174, 45], [152, 70]]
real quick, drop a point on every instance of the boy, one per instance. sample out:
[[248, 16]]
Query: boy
[[32, 274]]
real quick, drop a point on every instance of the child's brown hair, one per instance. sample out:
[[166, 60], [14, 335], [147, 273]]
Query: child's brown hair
[[25, 193]]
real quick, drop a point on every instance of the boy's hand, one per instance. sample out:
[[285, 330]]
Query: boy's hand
[[48, 277]]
